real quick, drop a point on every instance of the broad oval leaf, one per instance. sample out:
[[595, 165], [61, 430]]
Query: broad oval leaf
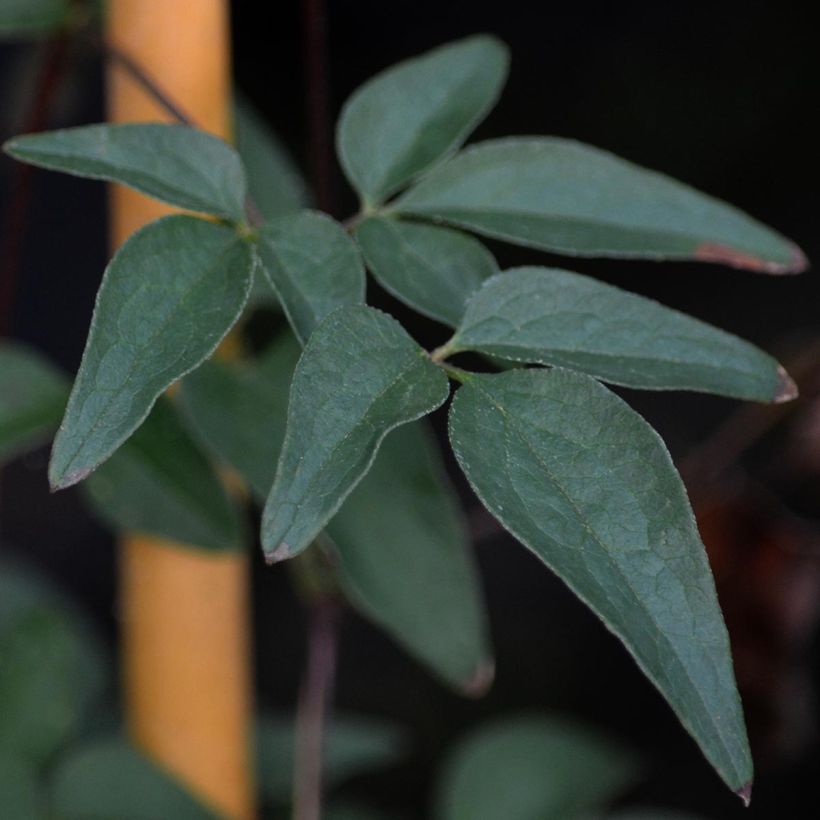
[[109, 778], [434, 270], [168, 297], [353, 745], [274, 183], [405, 562], [159, 482], [405, 119], [254, 396], [360, 376], [177, 164], [32, 18], [549, 316], [313, 266], [33, 394], [583, 481], [560, 195], [531, 767]]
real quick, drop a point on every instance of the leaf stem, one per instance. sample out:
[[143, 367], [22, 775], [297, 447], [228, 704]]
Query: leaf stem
[[314, 706], [456, 373], [446, 350]]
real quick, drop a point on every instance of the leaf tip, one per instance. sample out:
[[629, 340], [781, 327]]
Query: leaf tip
[[734, 258], [745, 793], [786, 389], [65, 480], [281, 552], [481, 680]]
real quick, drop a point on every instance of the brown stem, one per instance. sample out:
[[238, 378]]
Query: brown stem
[[11, 245], [314, 705]]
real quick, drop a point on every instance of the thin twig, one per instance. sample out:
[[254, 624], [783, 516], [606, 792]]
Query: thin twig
[[155, 90], [138, 73], [314, 706]]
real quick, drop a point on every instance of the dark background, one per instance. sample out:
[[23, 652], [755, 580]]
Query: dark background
[[721, 95]]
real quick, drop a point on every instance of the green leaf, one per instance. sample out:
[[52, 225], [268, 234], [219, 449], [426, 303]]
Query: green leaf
[[159, 482], [20, 793], [585, 483], [353, 746], [434, 270], [33, 394], [254, 396], [531, 767], [109, 779], [274, 183], [560, 195], [168, 297], [548, 316], [360, 376], [405, 562], [31, 18], [174, 163], [404, 120], [313, 266], [45, 683]]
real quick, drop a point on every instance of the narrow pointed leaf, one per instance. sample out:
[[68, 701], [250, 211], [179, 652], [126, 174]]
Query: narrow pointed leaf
[[31, 18], [254, 396], [354, 745], [313, 266], [560, 195], [159, 482], [583, 481], [434, 270], [174, 163], [33, 394], [549, 316], [167, 299], [274, 182], [532, 767], [405, 561], [405, 119], [109, 778], [360, 376]]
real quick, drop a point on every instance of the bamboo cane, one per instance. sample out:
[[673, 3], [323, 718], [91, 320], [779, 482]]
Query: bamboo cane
[[186, 661]]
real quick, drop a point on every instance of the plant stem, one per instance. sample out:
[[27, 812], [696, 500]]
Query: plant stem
[[155, 90], [441, 353], [314, 706], [462, 376]]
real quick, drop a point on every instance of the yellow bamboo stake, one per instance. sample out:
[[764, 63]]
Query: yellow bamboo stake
[[186, 657]]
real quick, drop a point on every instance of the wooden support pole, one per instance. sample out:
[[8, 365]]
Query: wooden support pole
[[186, 643]]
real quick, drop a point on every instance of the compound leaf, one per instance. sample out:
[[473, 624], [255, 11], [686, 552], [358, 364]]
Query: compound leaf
[[434, 270], [560, 195], [174, 163], [159, 482], [313, 266], [583, 481], [168, 297], [405, 119], [359, 376], [548, 316]]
